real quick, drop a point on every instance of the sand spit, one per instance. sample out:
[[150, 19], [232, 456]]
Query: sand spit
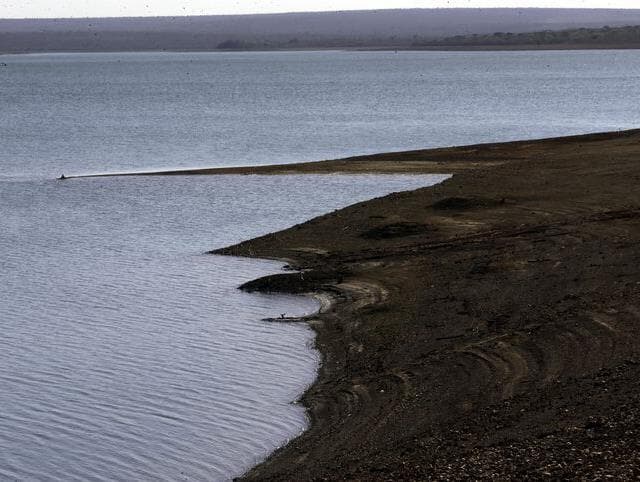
[[486, 327]]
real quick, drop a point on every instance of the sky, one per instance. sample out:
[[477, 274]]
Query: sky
[[121, 8]]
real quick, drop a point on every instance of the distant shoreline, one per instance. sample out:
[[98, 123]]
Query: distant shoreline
[[478, 48]]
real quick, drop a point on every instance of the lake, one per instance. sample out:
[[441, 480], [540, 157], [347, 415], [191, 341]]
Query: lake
[[84, 113], [129, 354]]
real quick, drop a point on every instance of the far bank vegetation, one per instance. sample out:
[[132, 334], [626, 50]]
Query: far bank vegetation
[[615, 37], [605, 36]]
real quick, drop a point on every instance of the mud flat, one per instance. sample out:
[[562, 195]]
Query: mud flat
[[486, 327]]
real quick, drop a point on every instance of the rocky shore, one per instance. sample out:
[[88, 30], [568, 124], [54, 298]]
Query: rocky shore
[[486, 327]]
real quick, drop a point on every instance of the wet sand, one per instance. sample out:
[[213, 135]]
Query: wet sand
[[486, 327]]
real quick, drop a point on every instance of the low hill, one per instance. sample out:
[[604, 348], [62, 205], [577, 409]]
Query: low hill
[[380, 28]]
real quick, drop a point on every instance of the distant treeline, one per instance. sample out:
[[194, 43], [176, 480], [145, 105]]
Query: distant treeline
[[628, 36]]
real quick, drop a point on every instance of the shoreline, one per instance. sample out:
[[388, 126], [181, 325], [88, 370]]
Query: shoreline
[[484, 327], [402, 48], [476, 322]]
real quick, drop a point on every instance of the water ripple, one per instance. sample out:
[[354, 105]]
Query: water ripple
[[125, 353]]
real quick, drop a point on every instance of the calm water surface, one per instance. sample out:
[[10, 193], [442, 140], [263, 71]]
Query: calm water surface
[[112, 112], [128, 354]]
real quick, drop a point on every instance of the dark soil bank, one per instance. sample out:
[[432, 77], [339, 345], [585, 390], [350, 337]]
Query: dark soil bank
[[487, 327]]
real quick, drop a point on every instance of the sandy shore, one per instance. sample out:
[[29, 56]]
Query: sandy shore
[[487, 327]]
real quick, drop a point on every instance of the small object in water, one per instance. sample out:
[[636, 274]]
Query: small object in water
[[2, 64], [62, 177], [282, 315]]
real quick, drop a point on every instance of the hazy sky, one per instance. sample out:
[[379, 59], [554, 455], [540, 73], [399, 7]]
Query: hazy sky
[[117, 8]]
